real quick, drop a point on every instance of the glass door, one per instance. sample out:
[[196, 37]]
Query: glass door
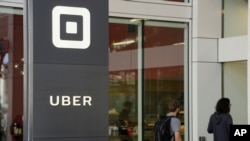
[[165, 66], [147, 69], [123, 79], [11, 73]]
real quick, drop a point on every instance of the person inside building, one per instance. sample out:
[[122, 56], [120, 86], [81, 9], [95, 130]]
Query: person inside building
[[124, 117]]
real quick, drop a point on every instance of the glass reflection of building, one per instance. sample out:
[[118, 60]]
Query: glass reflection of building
[[11, 74], [158, 48]]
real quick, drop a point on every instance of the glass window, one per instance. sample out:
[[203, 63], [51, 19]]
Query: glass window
[[163, 71], [146, 71], [11, 74], [123, 85]]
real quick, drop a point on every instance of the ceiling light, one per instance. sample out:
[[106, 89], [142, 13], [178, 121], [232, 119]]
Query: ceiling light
[[124, 42]]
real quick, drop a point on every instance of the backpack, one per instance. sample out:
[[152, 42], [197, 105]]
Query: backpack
[[162, 131]]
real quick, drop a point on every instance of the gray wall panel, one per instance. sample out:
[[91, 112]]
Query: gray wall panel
[[70, 71], [70, 80], [46, 52]]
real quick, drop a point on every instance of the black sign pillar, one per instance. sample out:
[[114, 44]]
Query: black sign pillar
[[66, 70]]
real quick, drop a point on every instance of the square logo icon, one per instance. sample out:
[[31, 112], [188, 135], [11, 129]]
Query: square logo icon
[[71, 27]]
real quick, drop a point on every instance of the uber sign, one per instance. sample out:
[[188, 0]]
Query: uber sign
[[66, 59], [76, 24]]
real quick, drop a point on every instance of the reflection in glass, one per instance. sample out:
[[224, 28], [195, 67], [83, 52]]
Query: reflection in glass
[[122, 80], [130, 92], [11, 74], [163, 72]]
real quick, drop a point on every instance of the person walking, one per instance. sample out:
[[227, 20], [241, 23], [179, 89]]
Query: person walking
[[220, 121], [174, 108]]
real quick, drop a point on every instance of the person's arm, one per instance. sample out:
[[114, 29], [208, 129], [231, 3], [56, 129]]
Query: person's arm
[[229, 122], [177, 136], [210, 126], [176, 125]]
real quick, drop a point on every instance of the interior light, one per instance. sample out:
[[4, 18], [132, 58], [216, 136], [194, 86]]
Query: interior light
[[16, 65], [181, 43], [124, 42], [135, 20]]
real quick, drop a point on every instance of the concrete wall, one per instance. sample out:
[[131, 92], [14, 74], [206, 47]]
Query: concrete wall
[[150, 10], [13, 3], [233, 49], [235, 18], [206, 86], [248, 66], [235, 87]]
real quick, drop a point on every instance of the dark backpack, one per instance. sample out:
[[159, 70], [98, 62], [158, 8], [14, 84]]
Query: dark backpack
[[162, 130]]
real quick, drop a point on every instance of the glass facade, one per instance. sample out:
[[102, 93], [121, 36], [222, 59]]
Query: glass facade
[[123, 78], [163, 70], [11, 77], [146, 71]]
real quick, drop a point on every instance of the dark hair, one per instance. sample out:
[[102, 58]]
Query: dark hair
[[173, 105], [223, 105], [127, 104]]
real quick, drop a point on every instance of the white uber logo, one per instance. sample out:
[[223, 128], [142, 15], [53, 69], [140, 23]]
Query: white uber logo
[[71, 27]]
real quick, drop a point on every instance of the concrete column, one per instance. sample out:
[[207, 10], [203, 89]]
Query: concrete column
[[206, 76], [248, 66]]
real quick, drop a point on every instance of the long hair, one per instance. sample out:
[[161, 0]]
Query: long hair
[[223, 105]]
